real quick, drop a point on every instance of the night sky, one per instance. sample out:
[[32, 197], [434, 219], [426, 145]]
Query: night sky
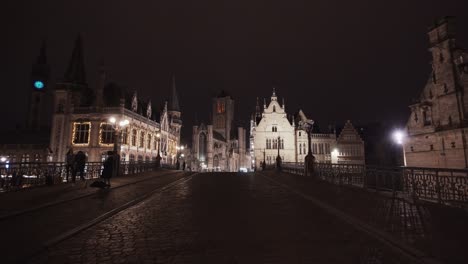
[[337, 60]]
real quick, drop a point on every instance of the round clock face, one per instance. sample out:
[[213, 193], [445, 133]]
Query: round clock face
[[38, 85]]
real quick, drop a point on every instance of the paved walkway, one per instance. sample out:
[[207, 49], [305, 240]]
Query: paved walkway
[[220, 218], [24, 199], [25, 234]]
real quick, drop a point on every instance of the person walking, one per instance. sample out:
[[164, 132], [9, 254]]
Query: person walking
[[108, 170], [183, 166], [70, 163], [80, 162]]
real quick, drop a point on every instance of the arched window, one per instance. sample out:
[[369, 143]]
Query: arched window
[[202, 147], [300, 149], [149, 141], [274, 108], [142, 139]]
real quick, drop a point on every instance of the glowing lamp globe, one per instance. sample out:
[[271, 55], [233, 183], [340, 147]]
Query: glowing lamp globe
[[38, 85]]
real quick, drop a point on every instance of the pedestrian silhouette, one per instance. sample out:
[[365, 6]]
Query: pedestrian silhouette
[[70, 163], [108, 170], [80, 162]]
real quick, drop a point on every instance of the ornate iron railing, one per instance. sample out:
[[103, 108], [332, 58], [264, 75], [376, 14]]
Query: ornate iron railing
[[14, 176], [432, 184]]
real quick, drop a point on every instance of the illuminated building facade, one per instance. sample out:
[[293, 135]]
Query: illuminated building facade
[[80, 118], [272, 131], [438, 124]]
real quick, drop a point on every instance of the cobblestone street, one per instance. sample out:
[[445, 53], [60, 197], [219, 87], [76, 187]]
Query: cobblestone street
[[217, 218]]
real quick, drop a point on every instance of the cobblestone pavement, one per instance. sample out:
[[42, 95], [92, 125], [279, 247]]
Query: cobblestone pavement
[[25, 234], [217, 218]]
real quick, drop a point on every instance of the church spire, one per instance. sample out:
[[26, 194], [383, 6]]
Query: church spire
[[102, 78], [257, 109], [174, 106], [76, 72]]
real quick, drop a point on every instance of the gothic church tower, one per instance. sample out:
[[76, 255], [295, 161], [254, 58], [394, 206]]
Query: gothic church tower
[[437, 127], [223, 114], [40, 96]]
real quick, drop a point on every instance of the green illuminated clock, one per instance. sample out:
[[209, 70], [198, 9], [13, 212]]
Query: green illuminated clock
[[39, 85]]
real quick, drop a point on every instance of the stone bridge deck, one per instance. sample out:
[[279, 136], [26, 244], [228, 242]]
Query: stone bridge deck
[[216, 218]]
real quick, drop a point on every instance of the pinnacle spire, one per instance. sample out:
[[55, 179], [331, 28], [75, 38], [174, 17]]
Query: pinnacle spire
[[42, 58], [174, 105], [76, 70], [257, 109]]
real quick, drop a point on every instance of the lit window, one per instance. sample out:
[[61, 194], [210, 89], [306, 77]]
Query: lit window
[[81, 133], [220, 107], [107, 134]]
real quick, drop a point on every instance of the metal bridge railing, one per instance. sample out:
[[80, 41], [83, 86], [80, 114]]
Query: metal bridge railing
[[14, 176], [433, 184]]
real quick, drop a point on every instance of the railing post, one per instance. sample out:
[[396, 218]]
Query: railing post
[[438, 188]]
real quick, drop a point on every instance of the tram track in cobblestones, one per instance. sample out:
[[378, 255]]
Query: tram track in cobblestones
[[69, 234], [68, 218], [399, 247], [60, 202]]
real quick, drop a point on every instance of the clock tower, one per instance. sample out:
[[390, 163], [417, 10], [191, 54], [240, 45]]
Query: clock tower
[[39, 96]]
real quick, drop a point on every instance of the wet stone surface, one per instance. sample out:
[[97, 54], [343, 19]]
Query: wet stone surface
[[217, 218]]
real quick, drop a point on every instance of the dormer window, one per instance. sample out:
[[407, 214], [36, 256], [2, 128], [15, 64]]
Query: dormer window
[[426, 118]]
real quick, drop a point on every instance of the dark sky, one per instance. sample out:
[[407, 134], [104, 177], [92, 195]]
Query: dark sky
[[337, 60]]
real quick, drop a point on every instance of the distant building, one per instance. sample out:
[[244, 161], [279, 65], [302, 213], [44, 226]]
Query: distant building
[[438, 124], [81, 119], [273, 133], [216, 147]]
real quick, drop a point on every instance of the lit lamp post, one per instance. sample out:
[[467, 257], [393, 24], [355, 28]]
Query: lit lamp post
[[309, 158], [399, 136], [118, 125], [177, 156], [278, 157]]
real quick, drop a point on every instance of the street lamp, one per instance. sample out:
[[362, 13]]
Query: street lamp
[[177, 155], [278, 157], [399, 137], [118, 126]]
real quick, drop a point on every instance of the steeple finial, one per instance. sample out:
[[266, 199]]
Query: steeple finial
[[174, 105], [76, 71], [273, 96]]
